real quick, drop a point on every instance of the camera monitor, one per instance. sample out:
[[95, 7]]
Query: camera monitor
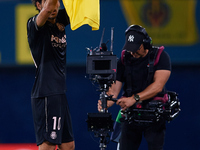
[[101, 64], [99, 121]]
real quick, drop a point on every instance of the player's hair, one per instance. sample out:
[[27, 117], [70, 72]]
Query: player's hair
[[34, 2]]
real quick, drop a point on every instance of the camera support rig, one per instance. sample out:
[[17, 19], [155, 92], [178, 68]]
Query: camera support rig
[[102, 67]]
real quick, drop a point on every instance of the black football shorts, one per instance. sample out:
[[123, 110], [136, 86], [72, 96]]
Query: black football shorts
[[52, 119]]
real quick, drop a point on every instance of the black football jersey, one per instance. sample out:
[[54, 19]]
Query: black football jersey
[[48, 49]]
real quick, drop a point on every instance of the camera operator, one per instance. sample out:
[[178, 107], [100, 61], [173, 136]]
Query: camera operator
[[133, 74]]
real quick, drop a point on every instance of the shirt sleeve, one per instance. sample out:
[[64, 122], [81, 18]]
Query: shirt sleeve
[[164, 62], [32, 29]]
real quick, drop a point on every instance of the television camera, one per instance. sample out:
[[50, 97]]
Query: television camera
[[102, 66]]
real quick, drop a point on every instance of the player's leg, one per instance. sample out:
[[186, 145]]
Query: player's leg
[[48, 116], [67, 146], [39, 119], [47, 146], [67, 132]]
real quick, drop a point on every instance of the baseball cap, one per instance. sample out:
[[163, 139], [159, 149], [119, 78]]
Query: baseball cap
[[133, 41]]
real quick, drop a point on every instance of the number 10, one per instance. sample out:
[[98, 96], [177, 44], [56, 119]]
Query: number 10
[[55, 122]]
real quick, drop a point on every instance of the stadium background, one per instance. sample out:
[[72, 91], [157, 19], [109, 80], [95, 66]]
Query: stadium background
[[174, 24]]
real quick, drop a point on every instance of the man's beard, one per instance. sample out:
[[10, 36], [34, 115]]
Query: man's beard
[[52, 18]]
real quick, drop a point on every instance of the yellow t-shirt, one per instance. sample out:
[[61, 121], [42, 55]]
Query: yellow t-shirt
[[83, 12]]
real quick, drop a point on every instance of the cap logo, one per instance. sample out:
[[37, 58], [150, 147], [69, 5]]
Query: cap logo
[[131, 38]]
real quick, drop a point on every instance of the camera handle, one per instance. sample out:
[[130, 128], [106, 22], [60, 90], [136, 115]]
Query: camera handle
[[104, 98]]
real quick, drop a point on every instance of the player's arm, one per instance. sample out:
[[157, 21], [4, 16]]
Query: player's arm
[[45, 11]]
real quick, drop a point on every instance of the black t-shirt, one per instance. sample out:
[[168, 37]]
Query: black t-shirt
[[139, 71], [48, 48]]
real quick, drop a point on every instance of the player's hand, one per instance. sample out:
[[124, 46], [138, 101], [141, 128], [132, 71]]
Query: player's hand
[[125, 102]]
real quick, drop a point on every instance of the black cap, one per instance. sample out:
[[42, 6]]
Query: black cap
[[133, 41]]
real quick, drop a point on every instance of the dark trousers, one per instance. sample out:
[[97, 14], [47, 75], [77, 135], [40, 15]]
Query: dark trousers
[[131, 136]]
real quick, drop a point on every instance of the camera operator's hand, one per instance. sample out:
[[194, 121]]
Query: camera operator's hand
[[125, 102], [99, 105]]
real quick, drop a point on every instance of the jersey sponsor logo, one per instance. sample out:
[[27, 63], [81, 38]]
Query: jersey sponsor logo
[[58, 42]]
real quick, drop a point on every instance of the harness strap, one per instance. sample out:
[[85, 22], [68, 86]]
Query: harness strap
[[153, 60], [164, 99], [158, 54], [122, 56]]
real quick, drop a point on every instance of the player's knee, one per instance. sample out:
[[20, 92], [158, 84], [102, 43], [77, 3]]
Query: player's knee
[[67, 146], [72, 146], [47, 146]]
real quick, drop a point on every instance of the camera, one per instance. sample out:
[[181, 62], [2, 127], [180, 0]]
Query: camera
[[101, 66]]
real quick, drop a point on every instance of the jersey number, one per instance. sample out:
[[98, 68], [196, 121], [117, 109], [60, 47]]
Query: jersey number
[[55, 123]]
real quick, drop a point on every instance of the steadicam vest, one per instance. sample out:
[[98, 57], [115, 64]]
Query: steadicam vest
[[151, 111]]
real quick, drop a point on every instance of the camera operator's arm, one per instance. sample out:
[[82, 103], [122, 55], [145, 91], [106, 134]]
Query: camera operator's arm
[[160, 79], [113, 90]]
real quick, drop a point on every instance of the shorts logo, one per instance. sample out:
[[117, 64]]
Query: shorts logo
[[53, 135]]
